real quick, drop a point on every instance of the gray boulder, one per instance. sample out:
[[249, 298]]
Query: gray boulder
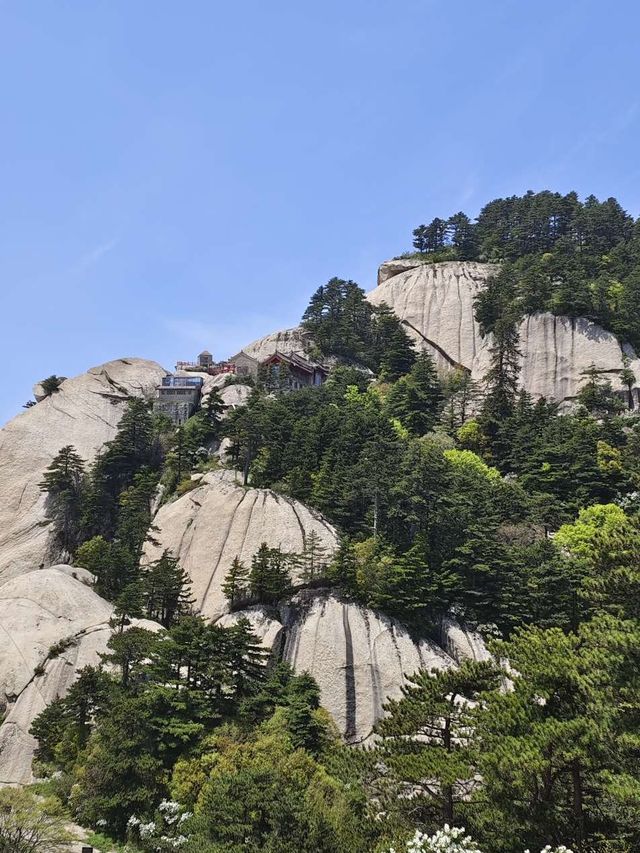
[[360, 658], [219, 520], [53, 624], [84, 412], [436, 303]]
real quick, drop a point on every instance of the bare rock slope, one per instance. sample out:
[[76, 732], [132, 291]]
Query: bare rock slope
[[85, 413], [359, 658], [52, 624], [285, 341], [219, 520], [436, 303]]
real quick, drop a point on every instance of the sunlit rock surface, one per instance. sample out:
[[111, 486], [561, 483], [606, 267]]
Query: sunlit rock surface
[[221, 519], [84, 412], [52, 624], [436, 303]]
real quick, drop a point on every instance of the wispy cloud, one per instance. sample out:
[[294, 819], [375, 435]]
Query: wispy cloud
[[90, 258]]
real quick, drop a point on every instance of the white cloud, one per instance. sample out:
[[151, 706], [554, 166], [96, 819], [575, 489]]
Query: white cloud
[[92, 257]]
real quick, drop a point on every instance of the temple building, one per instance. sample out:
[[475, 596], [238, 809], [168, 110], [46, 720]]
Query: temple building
[[279, 371], [244, 365], [291, 371], [205, 360], [177, 397]]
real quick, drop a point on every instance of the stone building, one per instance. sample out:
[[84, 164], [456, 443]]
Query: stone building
[[244, 365], [205, 360], [178, 397]]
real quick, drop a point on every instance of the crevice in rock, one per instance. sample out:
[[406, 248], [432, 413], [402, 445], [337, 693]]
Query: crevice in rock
[[349, 679], [222, 547]]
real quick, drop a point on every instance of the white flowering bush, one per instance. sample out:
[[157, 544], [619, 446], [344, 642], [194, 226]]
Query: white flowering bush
[[163, 834], [550, 849], [452, 839]]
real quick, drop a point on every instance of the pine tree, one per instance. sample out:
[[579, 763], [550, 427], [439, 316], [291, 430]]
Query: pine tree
[[213, 409], [415, 399], [302, 701], [245, 658], [63, 483], [312, 562], [460, 394], [167, 589], [134, 448], [628, 379], [269, 578], [598, 396], [338, 319], [236, 583], [127, 651], [129, 604], [431, 237], [393, 350], [96, 556], [546, 745], [51, 384], [501, 380], [461, 235], [427, 738], [343, 568], [134, 514], [245, 426]]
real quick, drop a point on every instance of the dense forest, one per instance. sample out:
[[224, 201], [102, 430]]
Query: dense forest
[[451, 496], [557, 253]]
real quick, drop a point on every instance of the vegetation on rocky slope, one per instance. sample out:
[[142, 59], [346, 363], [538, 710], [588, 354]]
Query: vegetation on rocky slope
[[557, 253], [450, 496]]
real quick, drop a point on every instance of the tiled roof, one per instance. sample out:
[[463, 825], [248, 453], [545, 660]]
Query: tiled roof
[[297, 360]]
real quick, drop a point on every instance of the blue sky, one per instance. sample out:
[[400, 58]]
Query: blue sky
[[182, 175]]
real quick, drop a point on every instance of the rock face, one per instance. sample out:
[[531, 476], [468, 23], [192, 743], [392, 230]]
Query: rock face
[[390, 268], [285, 341], [436, 303], [39, 611], [84, 412], [557, 350], [235, 395], [219, 520], [359, 658]]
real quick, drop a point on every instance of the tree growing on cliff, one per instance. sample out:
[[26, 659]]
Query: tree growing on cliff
[[167, 590], [501, 380], [312, 561], [235, 586], [427, 740], [269, 578], [393, 353], [63, 483], [51, 384], [415, 399]]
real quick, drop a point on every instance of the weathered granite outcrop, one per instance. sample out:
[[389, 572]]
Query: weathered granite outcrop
[[436, 303], [557, 350], [219, 520], [285, 341], [397, 265], [235, 395], [360, 658], [52, 624], [84, 412]]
